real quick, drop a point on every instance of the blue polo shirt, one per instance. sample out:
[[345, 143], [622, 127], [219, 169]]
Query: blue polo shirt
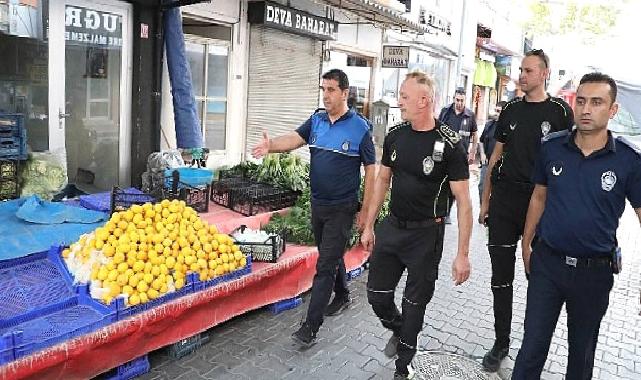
[[586, 195], [337, 151]]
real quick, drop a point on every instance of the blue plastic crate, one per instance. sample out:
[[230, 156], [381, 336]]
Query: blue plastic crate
[[125, 312], [102, 201], [195, 177], [6, 349], [287, 304], [11, 120], [10, 147], [130, 369], [352, 274], [76, 316], [33, 285], [200, 285], [186, 346]]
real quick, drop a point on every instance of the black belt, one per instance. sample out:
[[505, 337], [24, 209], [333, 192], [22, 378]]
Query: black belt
[[413, 224], [580, 262]]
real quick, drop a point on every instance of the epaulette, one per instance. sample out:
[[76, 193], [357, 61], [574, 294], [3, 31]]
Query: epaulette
[[399, 126], [629, 144], [555, 135], [449, 134]]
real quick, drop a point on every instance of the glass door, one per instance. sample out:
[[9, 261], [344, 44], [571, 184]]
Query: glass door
[[95, 115]]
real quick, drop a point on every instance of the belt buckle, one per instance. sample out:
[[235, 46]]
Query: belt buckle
[[571, 261]]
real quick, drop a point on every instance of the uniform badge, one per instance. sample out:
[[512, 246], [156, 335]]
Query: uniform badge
[[556, 171], [345, 145], [393, 157], [608, 180], [545, 128], [428, 165], [512, 126], [312, 139]]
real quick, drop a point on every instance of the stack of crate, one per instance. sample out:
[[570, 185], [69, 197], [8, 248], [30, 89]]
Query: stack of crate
[[13, 148]]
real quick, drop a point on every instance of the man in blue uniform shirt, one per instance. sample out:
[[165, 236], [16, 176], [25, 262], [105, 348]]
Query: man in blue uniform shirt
[[339, 142], [582, 181]]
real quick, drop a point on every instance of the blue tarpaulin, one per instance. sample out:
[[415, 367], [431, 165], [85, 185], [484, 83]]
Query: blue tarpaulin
[[188, 133], [29, 225]]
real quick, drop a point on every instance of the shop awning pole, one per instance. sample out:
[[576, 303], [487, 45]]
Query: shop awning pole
[[188, 133]]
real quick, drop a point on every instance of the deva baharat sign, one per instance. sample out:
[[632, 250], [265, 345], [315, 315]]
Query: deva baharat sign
[[395, 56], [292, 20]]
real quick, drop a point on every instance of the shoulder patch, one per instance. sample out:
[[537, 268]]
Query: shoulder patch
[[629, 144], [555, 135], [448, 133], [399, 126]]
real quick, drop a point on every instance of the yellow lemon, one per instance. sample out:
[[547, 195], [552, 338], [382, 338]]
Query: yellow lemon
[[112, 275], [242, 262], [127, 289], [148, 278], [212, 264], [232, 266], [163, 289], [152, 294], [143, 297], [194, 267], [142, 287], [114, 289], [134, 300], [155, 271], [133, 281], [203, 275], [170, 262], [115, 217], [102, 274], [202, 263], [139, 266], [238, 255], [156, 284], [106, 299]]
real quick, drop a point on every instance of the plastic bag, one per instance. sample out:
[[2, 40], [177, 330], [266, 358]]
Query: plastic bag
[[44, 174]]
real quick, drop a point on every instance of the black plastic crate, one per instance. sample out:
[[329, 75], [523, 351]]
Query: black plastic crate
[[9, 189], [121, 199], [9, 169], [268, 251], [186, 346], [261, 198], [195, 197], [221, 189]]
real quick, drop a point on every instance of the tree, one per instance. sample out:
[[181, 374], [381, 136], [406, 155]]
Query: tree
[[589, 19]]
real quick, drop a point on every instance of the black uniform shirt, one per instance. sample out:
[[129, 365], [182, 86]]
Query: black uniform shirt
[[521, 126], [420, 188]]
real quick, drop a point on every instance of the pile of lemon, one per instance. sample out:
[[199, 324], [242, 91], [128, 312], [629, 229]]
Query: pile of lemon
[[148, 250]]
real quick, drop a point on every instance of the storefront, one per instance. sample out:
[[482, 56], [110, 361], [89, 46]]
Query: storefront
[[284, 68], [67, 66], [216, 48]]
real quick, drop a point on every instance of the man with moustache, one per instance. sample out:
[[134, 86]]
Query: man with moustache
[[339, 142], [582, 180]]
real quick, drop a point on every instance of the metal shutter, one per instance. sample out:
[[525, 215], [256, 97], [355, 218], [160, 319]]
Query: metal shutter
[[283, 83]]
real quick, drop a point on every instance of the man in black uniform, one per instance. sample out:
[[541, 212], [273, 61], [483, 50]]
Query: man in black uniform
[[521, 125], [426, 160], [487, 142], [582, 181], [462, 120]]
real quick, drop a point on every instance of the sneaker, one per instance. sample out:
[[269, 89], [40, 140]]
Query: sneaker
[[492, 360], [391, 346], [305, 336], [401, 376], [338, 305]]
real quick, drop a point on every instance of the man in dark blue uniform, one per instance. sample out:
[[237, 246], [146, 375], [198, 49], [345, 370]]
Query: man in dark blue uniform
[[582, 181], [487, 142], [508, 187], [426, 161], [339, 142], [462, 120]]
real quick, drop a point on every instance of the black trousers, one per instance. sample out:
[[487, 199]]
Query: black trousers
[[332, 227], [508, 207], [419, 251], [585, 292]]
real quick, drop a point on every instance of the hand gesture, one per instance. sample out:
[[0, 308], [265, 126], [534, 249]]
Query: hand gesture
[[460, 269], [262, 148]]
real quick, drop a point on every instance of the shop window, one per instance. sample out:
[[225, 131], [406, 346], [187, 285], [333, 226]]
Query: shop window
[[209, 64]]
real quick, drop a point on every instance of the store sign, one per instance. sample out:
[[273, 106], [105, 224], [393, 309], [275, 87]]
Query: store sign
[[291, 20], [84, 26], [396, 57]]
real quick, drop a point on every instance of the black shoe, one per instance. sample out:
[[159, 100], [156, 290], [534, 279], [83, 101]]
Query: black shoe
[[492, 360], [391, 347], [305, 336], [338, 305], [402, 376]]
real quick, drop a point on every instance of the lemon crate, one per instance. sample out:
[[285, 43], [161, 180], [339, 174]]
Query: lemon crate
[[192, 186], [122, 199], [221, 190], [200, 285], [129, 370], [286, 304], [268, 251]]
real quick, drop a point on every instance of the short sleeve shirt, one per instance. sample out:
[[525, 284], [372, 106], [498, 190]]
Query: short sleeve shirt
[[420, 181], [586, 195], [520, 128]]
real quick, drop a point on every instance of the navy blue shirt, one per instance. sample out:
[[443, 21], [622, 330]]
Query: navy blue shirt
[[337, 151], [487, 137], [463, 123], [585, 195]]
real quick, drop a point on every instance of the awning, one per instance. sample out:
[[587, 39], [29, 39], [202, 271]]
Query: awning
[[484, 74], [377, 13], [493, 46]]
